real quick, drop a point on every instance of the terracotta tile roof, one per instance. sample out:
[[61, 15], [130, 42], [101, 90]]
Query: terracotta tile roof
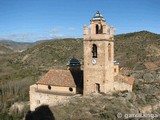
[[65, 78]]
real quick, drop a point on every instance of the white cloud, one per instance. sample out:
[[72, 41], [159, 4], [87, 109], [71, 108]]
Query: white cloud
[[25, 37], [20, 37], [56, 35], [57, 29], [72, 29], [56, 32]]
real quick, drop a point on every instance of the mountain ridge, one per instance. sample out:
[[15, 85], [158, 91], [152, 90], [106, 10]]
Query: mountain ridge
[[138, 46], [9, 46]]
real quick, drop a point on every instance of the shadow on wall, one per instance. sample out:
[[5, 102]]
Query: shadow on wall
[[41, 113]]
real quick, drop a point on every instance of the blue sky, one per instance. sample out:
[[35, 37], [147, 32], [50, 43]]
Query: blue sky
[[31, 20]]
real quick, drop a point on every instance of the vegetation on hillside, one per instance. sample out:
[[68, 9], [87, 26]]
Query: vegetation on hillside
[[52, 53], [19, 70], [137, 48]]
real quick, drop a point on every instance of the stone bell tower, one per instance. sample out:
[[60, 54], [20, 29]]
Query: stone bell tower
[[98, 44]]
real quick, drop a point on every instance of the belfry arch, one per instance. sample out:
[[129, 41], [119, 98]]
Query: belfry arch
[[99, 29]]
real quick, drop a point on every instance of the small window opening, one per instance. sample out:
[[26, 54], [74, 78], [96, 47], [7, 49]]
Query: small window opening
[[97, 88], [109, 51], [97, 29], [70, 89], [94, 51], [115, 70], [49, 87]]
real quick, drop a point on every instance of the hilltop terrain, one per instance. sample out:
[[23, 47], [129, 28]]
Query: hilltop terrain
[[132, 50], [137, 50], [9, 46], [138, 54]]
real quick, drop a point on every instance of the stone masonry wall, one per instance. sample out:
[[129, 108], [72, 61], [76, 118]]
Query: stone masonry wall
[[121, 86], [56, 89], [43, 98]]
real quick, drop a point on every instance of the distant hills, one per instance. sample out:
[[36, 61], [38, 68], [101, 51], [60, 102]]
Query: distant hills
[[132, 50], [9, 46], [54, 53]]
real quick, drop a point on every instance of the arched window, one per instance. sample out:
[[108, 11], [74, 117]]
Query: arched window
[[109, 51], [94, 51], [97, 29]]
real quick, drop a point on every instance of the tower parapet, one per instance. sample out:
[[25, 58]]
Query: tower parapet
[[98, 29]]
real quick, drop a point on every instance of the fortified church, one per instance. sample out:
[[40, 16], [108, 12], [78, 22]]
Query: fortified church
[[100, 72]]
